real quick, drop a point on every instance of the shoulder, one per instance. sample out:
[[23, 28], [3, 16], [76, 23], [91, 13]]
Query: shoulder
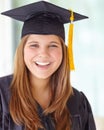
[[80, 107], [5, 82], [75, 101], [6, 79], [5, 90], [6, 121], [78, 103]]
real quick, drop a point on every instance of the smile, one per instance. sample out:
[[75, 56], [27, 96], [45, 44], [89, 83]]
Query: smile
[[42, 63]]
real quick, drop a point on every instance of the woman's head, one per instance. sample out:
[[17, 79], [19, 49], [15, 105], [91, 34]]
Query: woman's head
[[44, 18]]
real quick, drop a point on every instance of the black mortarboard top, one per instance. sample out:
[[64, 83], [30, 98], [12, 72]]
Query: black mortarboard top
[[43, 18]]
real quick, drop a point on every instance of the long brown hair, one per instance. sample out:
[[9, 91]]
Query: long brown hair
[[23, 108]]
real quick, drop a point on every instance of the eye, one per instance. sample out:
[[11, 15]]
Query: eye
[[53, 45], [34, 45]]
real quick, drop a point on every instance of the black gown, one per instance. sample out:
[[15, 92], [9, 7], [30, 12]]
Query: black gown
[[79, 107]]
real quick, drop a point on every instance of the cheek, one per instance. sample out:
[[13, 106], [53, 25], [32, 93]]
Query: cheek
[[58, 55], [27, 55]]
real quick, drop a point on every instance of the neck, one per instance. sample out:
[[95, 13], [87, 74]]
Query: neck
[[41, 91], [39, 84]]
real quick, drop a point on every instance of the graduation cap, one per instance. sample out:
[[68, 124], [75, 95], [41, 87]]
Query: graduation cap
[[45, 18]]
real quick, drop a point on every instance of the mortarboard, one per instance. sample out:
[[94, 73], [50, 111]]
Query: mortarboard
[[44, 18]]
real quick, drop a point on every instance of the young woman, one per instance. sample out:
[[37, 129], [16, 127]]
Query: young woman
[[38, 95]]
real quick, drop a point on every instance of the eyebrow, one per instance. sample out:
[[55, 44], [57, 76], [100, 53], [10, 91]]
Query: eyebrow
[[54, 42], [29, 42]]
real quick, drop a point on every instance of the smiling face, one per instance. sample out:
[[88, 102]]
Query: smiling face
[[42, 55]]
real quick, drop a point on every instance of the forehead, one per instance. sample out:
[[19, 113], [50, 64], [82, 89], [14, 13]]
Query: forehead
[[38, 37]]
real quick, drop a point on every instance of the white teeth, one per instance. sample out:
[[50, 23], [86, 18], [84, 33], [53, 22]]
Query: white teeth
[[42, 63]]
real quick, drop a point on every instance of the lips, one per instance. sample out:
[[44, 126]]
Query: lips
[[42, 63]]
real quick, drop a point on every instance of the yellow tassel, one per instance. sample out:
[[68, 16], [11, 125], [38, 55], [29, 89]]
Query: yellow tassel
[[70, 42]]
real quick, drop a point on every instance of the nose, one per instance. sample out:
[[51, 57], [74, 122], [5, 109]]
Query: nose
[[43, 52]]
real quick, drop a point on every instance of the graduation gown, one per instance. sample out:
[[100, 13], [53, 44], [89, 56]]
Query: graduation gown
[[79, 107]]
